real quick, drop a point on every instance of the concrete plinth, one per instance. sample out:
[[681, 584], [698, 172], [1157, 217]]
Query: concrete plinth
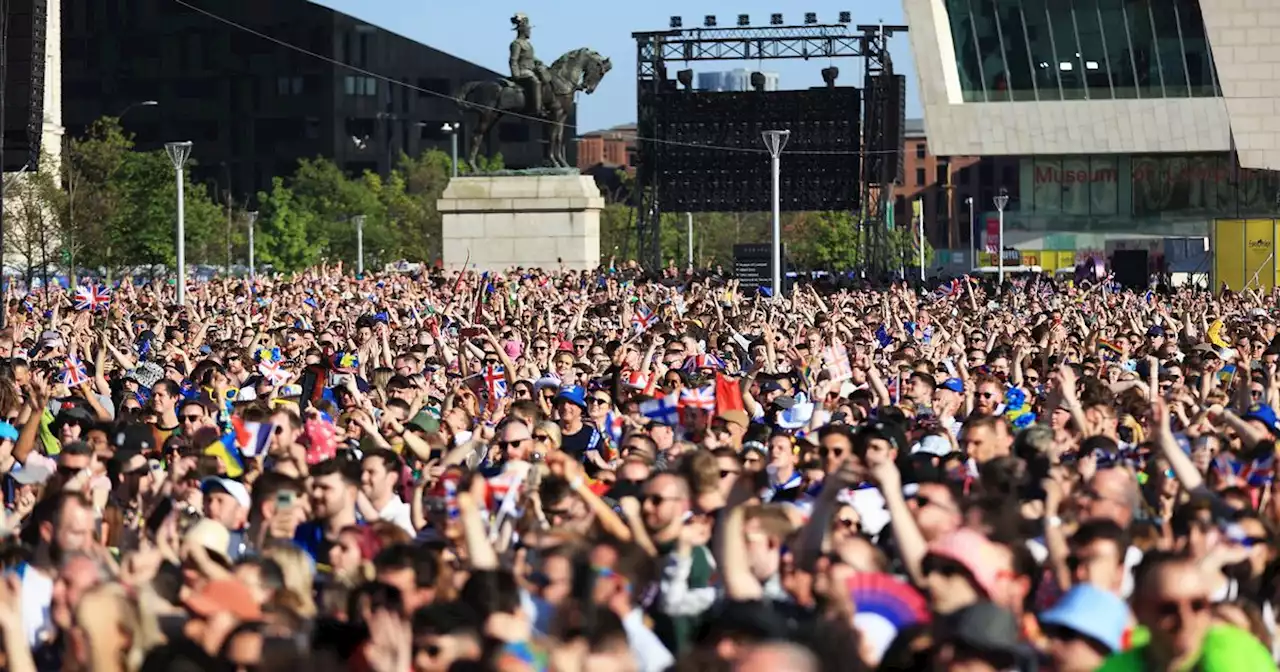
[[521, 220]]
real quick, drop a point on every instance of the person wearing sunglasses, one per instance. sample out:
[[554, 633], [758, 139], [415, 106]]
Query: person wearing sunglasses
[[1171, 602]]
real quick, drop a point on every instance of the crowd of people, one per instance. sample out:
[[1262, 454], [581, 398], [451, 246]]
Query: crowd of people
[[581, 471]]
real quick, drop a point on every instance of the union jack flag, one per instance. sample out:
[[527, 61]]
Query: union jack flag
[[642, 318], [948, 289], [836, 360], [703, 361], [703, 398], [495, 379], [92, 297], [272, 371], [74, 374], [1255, 474]]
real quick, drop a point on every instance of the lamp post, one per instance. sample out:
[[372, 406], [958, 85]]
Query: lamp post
[[775, 141], [452, 130], [253, 219], [142, 103], [1001, 201], [973, 239], [178, 154], [688, 224], [359, 221]]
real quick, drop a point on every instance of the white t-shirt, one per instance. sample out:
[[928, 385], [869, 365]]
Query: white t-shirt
[[398, 512], [37, 596]]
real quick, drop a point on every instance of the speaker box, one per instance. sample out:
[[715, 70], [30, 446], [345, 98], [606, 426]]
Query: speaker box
[[1130, 268], [22, 35]]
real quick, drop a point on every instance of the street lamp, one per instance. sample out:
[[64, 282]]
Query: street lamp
[[178, 154], [253, 219], [775, 141], [1001, 201], [359, 222], [452, 130], [973, 239], [144, 103]]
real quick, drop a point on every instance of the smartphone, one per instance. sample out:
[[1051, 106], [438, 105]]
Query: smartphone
[[285, 500], [158, 516], [470, 332]]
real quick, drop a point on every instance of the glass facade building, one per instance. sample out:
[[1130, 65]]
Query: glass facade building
[[1058, 50]]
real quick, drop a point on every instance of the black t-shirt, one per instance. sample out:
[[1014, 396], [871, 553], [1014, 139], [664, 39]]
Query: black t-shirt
[[576, 445]]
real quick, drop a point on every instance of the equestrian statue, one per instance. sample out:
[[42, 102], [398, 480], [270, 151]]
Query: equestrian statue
[[533, 90]]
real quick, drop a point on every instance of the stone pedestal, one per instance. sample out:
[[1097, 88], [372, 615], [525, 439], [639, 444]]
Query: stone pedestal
[[521, 220]]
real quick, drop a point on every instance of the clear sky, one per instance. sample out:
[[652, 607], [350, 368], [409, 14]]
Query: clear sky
[[480, 31]]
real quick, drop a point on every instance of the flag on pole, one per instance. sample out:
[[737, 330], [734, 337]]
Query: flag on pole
[[642, 318], [74, 373], [495, 380], [702, 398], [665, 410], [92, 297]]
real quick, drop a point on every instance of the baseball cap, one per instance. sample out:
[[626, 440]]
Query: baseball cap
[[236, 489], [574, 395], [973, 551], [736, 416], [1264, 414], [954, 384], [1092, 612], [224, 595]]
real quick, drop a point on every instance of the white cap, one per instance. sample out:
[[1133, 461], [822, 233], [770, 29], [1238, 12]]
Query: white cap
[[234, 488]]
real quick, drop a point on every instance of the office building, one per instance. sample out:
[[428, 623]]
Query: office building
[[252, 107], [1127, 119]]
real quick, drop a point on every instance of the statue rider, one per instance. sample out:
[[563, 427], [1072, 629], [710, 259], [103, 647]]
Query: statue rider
[[527, 70]]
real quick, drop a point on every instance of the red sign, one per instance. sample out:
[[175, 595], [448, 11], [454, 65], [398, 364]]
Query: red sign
[[993, 233]]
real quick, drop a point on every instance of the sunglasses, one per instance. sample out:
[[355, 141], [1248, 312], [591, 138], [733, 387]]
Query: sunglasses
[[192, 418], [594, 401], [541, 437], [1171, 608], [657, 500], [834, 452], [509, 444]]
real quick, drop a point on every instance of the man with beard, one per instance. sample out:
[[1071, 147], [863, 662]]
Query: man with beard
[[334, 487], [62, 525]]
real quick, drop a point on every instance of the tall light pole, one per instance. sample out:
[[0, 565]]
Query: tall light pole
[[775, 141], [253, 219], [452, 130], [142, 103], [359, 221], [178, 154], [973, 240], [689, 227], [1001, 200]]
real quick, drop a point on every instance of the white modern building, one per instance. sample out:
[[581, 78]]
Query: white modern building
[[1130, 118]]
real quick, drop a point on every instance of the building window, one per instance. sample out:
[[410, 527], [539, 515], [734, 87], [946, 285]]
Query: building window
[[920, 177], [1095, 49], [941, 173], [289, 86], [921, 150], [359, 86]]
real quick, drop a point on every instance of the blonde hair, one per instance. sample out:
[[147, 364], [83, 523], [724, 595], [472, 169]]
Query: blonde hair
[[141, 633], [298, 575], [552, 430]]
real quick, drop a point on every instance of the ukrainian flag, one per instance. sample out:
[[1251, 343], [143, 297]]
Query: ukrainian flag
[[226, 451]]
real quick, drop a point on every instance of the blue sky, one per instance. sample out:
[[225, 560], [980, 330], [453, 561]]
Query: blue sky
[[480, 31]]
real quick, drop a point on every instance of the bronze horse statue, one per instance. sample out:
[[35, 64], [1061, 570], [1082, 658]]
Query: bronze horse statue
[[578, 70]]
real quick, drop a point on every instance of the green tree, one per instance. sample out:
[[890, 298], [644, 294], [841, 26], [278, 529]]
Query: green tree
[[283, 230], [145, 226], [90, 219]]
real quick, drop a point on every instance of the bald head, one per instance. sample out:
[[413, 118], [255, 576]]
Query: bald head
[[1113, 494], [777, 657]]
